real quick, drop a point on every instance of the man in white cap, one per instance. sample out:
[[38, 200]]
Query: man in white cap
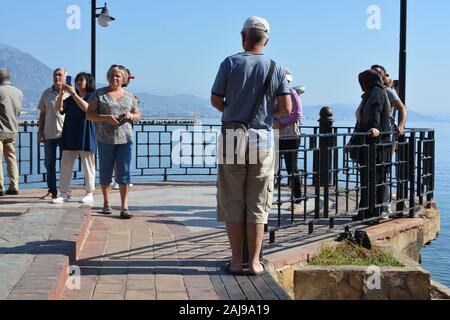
[[245, 90], [10, 107]]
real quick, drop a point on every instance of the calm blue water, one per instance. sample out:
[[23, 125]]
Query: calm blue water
[[436, 257]]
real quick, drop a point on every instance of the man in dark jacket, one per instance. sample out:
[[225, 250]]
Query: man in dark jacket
[[374, 118]]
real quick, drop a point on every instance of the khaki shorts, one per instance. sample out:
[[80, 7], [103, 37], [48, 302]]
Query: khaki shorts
[[246, 189]]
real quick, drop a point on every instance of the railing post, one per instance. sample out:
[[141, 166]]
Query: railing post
[[420, 168], [372, 183], [325, 127], [401, 175], [411, 178]]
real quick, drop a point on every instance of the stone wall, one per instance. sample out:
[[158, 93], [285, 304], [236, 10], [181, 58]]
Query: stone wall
[[361, 283]]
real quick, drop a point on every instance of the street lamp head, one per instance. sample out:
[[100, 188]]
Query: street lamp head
[[104, 18]]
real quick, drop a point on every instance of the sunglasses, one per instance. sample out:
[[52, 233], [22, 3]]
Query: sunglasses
[[117, 66]]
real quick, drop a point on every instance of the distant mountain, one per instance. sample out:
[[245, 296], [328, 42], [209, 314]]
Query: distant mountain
[[27, 73], [178, 106]]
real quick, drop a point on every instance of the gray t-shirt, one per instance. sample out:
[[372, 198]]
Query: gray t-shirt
[[54, 120], [393, 98], [104, 131], [240, 80]]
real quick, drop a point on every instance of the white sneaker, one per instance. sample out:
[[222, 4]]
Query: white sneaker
[[131, 185], [61, 199], [114, 185], [88, 198]]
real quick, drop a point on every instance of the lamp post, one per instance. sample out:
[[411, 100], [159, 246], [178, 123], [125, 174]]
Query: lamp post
[[402, 63], [103, 19]]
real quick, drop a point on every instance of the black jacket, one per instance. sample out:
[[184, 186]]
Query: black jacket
[[375, 112]]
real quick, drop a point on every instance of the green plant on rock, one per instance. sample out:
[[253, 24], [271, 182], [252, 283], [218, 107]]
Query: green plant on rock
[[346, 253]]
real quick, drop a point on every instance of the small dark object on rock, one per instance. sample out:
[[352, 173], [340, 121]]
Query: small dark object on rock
[[357, 237]]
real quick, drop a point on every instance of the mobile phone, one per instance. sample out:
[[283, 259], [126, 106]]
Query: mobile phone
[[69, 80]]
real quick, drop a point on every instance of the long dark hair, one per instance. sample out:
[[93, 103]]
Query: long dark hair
[[90, 83]]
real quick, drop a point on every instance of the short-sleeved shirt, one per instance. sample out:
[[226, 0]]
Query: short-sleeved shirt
[[240, 80], [54, 121], [106, 105], [393, 98], [78, 133]]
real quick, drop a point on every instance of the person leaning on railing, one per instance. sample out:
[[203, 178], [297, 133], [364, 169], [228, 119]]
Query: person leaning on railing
[[373, 117], [114, 110]]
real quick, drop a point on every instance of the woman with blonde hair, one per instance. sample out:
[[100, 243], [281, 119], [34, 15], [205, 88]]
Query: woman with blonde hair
[[114, 110]]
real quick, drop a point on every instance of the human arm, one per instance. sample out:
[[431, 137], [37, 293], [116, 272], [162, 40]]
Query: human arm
[[41, 107], [284, 106], [81, 103], [59, 103], [375, 108], [402, 116], [92, 114], [218, 102], [296, 113]]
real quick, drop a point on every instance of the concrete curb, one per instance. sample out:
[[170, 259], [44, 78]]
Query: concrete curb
[[46, 278]]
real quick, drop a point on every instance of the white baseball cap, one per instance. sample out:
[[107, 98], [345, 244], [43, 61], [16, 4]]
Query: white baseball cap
[[288, 73], [257, 23]]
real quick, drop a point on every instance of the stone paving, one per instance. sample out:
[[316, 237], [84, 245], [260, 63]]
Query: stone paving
[[166, 252]]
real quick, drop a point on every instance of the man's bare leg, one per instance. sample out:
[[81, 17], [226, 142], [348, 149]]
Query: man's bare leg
[[255, 236], [235, 231]]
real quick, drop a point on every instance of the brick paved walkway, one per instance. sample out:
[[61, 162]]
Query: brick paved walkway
[[148, 257]]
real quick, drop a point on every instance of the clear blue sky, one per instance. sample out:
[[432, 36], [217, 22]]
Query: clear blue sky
[[176, 46]]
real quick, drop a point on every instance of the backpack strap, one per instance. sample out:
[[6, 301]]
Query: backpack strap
[[263, 92]]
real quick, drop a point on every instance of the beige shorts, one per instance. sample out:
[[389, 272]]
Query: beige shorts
[[246, 189]]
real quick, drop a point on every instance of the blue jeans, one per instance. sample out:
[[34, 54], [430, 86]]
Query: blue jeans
[[110, 153], [50, 164]]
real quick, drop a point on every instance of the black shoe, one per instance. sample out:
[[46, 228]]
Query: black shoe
[[12, 192], [2, 193], [124, 214]]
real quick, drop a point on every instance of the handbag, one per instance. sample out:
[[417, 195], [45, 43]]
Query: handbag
[[235, 134], [353, 145]]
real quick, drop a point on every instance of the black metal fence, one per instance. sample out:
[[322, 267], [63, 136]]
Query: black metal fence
[[331, 183]]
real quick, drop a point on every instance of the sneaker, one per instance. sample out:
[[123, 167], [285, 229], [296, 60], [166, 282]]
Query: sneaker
[[61, 199], [114, 185], [69, 195], [88, 198], [131, 185]]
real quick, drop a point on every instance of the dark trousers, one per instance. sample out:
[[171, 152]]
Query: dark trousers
[[383, 155], [291, 161], [51, 146]]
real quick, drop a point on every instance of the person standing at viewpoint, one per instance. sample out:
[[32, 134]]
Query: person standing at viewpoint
[[245, 191], [51, 124], [11, 100], [114, 110], [78, 139]]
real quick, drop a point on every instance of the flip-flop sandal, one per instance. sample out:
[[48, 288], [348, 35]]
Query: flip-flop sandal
[[106, 210], [264, 271], [227, 270]]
